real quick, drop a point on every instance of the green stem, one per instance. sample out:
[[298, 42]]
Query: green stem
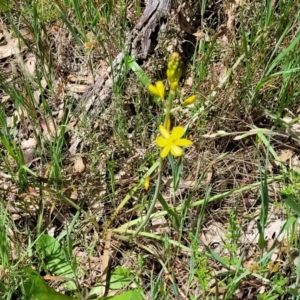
[[130, 194], [144, 220], [168, 108], [200, 202]]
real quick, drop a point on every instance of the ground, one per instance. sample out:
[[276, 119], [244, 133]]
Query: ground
[[80, 167]]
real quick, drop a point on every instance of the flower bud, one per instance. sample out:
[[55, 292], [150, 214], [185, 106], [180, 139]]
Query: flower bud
[[147, 183], [190, 100], [157, 90], [174, 67], [174, 86], [161, 89]]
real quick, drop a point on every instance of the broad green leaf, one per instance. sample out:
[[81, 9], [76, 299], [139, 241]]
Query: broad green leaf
[[129, 295], [134, 66], [120, 278], [35, 288], [5, 5], [55, 258]]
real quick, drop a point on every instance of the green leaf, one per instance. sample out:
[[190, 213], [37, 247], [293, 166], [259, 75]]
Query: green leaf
[[120, 278], [5, 5], [295, 207], [129, 295], [141, 75], [55, 258], [134, 66], [35, 288], [171, 211]]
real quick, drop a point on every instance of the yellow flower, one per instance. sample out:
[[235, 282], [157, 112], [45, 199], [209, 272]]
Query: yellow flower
[[157, 90], [190, 100], [171, 142]]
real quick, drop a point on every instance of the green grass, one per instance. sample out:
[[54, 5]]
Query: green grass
[[234, 180]]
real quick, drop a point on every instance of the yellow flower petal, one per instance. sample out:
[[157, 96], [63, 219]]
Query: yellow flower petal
[[147, 183], [153, 90], [183, 142], [190, 100], [160, 89], [165, 151], [176, 151], [164, 132], [161, 142], [177, 132]]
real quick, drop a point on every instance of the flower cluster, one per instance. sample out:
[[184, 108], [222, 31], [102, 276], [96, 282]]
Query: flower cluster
[[171, 141]]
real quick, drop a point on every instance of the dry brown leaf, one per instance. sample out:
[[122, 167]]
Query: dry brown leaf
[[10, 49], [4, 98], [295, 163], [215, 235], [183, 186], [209, 176], [74, 195], [30, 143], [293, 128], [28, 147], [200, 35], [160, 225], [30, 64], [74, 144], [77, 88], [189, 81], [223, 72], [15, 217], [37, 95], [71, 124], [27, 35], [49, 127], [51, 231], [286, 155], [79, 165], [87, 79], [219, 290], [28, 156]]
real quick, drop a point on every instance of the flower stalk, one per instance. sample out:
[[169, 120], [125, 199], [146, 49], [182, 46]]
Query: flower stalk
[[170, 141]]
